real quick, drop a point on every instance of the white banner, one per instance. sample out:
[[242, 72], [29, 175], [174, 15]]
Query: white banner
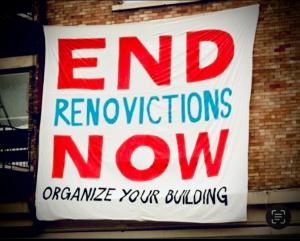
[[147, 121]]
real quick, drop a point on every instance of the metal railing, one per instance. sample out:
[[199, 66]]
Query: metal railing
[[14, 148]]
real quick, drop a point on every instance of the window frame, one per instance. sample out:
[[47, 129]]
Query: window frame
[[25, 165], [31, 71], [146, 4]]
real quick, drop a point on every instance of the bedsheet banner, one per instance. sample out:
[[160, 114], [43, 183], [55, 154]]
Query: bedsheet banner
[[148, 120]]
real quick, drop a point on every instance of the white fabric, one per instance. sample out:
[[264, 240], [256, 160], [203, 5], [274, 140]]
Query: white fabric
[[240, 23]]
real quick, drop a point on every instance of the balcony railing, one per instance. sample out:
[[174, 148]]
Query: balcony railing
[[14, 150]]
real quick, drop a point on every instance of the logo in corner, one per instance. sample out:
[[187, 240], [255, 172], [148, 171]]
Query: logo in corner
[[278, 216]]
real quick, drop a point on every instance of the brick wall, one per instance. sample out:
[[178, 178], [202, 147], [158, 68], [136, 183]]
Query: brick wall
[[274, 152]]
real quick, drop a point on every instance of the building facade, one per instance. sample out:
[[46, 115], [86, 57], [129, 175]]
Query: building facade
[[274, 136]]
